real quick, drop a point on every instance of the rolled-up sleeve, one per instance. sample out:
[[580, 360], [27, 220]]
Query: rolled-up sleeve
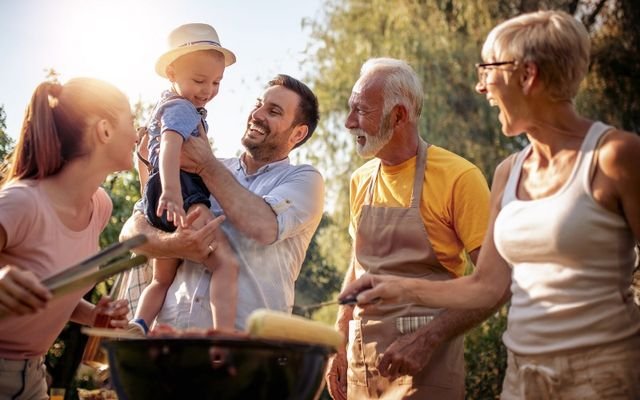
[[297, 201], [179, 116]]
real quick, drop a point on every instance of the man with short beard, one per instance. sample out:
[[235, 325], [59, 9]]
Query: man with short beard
[[416, 210], [271, 209]]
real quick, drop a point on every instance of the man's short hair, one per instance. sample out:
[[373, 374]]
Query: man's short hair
[[402, 84], [308, 113]]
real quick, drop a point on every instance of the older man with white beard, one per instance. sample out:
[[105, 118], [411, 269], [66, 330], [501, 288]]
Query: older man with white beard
[[416, 210]]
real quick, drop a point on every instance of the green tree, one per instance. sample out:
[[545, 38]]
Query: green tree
[[610, 92], [6, 142], [319, 279]]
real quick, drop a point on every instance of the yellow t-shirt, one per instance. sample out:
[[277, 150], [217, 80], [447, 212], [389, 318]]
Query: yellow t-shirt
[[454, 204]]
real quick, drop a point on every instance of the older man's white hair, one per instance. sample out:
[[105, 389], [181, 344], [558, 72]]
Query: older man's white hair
[[402, 85]]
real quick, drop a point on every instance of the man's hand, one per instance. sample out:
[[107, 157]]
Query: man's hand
[[198, 244], [196, 154], [370, 289], [188, 243], [408, 355], [336, 376]]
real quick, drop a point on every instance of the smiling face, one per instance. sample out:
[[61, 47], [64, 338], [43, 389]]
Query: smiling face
[[271, 123], [367, 121], [551, 54], [501, 86], [196, 76]]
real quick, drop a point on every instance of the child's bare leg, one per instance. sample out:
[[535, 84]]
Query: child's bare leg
[[223, 264], [223, 289], [152, 298]]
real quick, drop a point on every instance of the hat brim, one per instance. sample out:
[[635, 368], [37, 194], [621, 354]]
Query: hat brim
[[172, 55]]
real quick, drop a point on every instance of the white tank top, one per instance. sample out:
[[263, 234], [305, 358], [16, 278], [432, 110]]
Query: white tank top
[[572, 263]]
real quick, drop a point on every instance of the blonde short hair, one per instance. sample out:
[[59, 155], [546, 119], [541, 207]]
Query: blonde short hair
[[553, 40]]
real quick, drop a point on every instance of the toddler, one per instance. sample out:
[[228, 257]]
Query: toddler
[[194, 65]]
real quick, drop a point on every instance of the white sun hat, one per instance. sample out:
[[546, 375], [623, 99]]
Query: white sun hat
[[188, 38]]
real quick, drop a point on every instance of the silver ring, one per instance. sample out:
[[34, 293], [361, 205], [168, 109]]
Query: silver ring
[[210, 249]]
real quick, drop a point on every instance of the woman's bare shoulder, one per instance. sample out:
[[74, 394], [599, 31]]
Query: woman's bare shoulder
[[619, 151]]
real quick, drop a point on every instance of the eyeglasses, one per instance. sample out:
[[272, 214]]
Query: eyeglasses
[[483, 67]]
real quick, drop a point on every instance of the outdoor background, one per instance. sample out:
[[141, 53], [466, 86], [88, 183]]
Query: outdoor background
[[324, 43]]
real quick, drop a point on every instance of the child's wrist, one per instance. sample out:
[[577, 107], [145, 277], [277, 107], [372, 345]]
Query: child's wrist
[[170, 189], [140, 323]]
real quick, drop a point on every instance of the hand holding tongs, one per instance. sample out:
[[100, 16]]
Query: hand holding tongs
[[83, 273]]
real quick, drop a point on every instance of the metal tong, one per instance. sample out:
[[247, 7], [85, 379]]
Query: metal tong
[[83, 273], [346, 301]]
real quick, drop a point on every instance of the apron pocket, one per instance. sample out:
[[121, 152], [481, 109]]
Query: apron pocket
[[357, 372]]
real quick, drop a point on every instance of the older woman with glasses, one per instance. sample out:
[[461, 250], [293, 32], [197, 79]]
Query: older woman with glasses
[[565, 219]]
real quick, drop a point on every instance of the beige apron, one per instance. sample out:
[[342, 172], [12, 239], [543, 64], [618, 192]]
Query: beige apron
[[393, 240]]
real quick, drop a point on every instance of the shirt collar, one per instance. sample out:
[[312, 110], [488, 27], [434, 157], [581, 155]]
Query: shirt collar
[[168, 94]]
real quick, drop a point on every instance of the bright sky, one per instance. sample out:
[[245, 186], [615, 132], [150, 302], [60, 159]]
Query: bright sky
[[120, 40]]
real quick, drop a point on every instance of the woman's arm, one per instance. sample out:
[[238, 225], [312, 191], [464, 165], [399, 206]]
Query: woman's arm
[[616, 184], [20, 290], [484, 288]]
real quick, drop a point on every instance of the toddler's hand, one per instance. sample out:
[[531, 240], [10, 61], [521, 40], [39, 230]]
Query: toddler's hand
[[173, 205]]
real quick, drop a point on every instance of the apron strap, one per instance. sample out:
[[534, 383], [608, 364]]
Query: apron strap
[[421, 163], [374, 179], [416, 194]]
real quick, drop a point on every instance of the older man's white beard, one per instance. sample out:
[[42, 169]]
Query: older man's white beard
[[372, 144]]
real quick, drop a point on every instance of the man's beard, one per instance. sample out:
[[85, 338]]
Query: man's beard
[[264, 151], [268, 149], [373, 144]]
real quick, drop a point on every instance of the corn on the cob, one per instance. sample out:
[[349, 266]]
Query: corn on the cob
[[276, 325]]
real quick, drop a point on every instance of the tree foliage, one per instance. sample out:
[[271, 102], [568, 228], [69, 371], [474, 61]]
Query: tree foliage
[[610, 91], [6, 142], [486, 358], [319, 279]]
